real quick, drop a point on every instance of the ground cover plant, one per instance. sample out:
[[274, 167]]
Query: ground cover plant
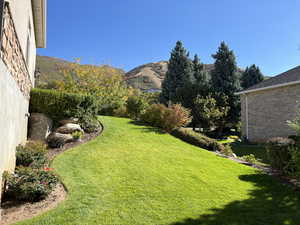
[[138, 175]]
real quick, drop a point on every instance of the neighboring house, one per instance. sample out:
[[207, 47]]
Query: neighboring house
[[22, 30], [268, 105]]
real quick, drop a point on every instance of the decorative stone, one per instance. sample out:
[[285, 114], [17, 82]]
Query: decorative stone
[[69, 120], [57, 140], [69, 128], [40, 127]]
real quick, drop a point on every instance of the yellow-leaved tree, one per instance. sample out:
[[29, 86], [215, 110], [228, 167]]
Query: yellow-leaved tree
[[104, 82]]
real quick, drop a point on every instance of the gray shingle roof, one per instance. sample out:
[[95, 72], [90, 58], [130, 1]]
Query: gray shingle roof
[[286, 77]]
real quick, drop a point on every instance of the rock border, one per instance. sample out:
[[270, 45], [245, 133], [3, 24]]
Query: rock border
[[13, 212]]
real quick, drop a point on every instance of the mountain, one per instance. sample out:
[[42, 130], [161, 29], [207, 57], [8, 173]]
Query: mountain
[[51, 69], [150, 76]]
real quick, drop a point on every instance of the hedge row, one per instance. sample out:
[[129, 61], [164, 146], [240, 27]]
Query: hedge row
[[197, 139], [59, 105]]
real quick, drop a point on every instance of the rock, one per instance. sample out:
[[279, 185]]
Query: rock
[[234, 155], [57, 140], [69, 120], [69, 128], [40, 127]]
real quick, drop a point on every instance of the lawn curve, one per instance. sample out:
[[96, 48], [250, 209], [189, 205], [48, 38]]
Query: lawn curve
[[137, 175]]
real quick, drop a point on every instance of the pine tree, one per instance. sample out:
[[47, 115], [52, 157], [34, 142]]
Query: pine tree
[[251, 76], [225, 81], [179, 74], [200, 76]]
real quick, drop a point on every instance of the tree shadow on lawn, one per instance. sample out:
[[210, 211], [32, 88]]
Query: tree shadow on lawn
[[270, 203], [146, 128]]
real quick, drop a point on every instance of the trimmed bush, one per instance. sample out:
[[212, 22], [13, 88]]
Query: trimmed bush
[[60, 105], [279, 153], [197, 139], [33, 154], [28, 184], [294, 163], [159, 115], [250, 159]]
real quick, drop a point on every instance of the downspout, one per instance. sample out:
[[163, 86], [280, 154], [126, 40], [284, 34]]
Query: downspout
[[247, 120]]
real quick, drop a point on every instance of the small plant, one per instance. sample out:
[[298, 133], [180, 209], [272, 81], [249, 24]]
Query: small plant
[[250, 159], [77, 135], [33, 154], [28, 184], [227, 150]]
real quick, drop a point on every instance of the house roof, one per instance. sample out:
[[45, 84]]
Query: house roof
[[39, 8], [287, 78]]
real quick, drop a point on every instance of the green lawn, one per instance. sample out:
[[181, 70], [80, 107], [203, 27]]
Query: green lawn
[[136, 175]]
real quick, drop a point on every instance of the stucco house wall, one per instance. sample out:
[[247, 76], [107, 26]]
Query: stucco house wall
[[264, 113], [17, 67]]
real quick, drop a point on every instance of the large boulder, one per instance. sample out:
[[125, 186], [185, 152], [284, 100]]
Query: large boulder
[[40, 126], [69, 128], [57, 140], [69, 120]]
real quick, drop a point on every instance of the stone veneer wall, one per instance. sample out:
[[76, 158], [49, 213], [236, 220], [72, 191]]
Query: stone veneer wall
[[268, 112], [12, 55]]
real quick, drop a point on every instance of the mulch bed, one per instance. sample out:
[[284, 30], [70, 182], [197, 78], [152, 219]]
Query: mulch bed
[[14, 211]]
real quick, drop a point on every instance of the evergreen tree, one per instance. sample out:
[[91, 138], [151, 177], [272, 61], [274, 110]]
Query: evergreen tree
[[251, 76], [180, 71], [225, 81], [200, 76]]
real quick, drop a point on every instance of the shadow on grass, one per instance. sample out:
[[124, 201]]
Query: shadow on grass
[[146, 128], [270, 203]]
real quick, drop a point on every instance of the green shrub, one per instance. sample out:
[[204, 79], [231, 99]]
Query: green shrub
[[197, 139], [28, 184], [296, 138], [77, 135], [59, 105], [121, 112], [33, 154], [90, 124], [158, 115], [250, 159], [278, 153], [227, 150], [136, 105], [294, 163]]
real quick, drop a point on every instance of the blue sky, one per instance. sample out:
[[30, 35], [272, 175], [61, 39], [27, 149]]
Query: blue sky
[[128, 33]]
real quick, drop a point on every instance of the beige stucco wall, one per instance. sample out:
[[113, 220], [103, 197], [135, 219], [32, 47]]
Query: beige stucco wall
[[23, 19], [13, 120], [13, 103], [268, 112]]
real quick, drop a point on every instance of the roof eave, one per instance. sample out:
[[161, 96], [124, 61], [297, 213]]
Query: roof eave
[[267, 88], [39, 8]]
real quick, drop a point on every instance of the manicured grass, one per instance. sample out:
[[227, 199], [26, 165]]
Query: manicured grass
[[137, 175]]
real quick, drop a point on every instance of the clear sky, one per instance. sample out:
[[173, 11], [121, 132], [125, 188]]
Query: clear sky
[[128, 33]]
